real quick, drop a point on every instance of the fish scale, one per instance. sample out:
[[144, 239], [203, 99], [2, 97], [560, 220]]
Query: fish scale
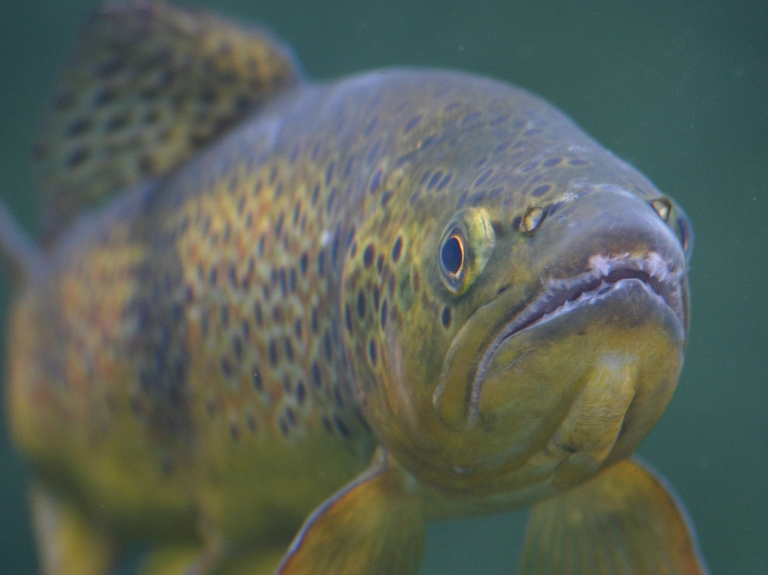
[[301, 319]]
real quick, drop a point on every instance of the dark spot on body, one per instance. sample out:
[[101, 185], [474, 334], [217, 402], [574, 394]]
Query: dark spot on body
[[104, 96], [117, 122], [273, 359], [375, 181], [321, 263], [348, 167], [257, 315], [470, 118], [341, 426], [234, 430], [434, 180], [313, 321], [250, 421], [361, 304], [258, 384], [77, 156], [372, 351], [384, 314], [78, 127], [316, 374], [578, 162], [303, 262], [328, 345], [368, 255], [226, 367], [444, 182], [335, 248], [397, 249], [109, 67], [540, 190], [445, 317], [315, 194], [483, 177], [288, 349], [550, 162], [411, 124]]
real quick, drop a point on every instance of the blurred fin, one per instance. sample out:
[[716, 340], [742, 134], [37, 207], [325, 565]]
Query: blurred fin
[[150, 84], [371, 527], [624, 521], [18, 252], [67, 543]]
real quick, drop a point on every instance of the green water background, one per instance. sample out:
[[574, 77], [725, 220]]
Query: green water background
[[680, 89]]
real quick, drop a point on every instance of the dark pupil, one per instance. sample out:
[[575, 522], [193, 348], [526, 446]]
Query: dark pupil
[[452, 255]]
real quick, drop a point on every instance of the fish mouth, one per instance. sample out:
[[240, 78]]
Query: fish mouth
[[606, 276]]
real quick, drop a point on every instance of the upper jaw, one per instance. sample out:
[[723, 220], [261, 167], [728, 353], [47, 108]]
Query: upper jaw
[[559, 296]]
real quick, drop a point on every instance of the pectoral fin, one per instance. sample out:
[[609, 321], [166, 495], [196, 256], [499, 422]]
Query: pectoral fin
[[373, 526], [68, 543], [624, 521]]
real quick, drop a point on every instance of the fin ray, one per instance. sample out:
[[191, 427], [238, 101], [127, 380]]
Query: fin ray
[[625, 521], [17, 251], [150, 85], [371, 527]]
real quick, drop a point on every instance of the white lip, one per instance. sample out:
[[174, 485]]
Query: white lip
[[607, 274]]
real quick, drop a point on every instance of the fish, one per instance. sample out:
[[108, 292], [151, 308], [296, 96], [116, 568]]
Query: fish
[[276, 326]]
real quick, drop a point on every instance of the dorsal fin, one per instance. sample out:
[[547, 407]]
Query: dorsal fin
[[150, 84]]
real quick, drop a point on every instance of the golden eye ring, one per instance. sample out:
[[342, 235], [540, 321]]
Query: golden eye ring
[[466, 245]]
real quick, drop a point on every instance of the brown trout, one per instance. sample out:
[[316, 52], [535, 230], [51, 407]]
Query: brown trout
[[275, 326]]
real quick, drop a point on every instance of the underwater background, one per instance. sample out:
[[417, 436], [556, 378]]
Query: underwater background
[[677, 88]]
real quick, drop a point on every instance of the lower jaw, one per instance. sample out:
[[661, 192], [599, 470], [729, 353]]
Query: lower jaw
[[581, 388]]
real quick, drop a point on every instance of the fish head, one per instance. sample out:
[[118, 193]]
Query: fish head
[[519, 342]]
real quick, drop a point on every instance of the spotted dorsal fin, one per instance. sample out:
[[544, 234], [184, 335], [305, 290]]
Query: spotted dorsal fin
[[150, 84]]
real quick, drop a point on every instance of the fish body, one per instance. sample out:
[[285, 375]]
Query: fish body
[[406, 295]]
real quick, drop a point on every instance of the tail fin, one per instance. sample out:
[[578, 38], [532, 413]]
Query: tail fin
[[18, 252]]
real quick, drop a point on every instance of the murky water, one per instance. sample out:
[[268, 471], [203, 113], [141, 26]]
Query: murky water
[[678, 88]]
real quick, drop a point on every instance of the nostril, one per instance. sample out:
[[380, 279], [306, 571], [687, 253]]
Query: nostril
[[532, 219]]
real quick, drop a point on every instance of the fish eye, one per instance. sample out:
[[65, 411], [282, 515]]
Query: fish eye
[[685, 234], [466, 245], [452, 254], [674, 216]]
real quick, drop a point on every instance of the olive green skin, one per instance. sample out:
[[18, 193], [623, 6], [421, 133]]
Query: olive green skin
[[328, 209]]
